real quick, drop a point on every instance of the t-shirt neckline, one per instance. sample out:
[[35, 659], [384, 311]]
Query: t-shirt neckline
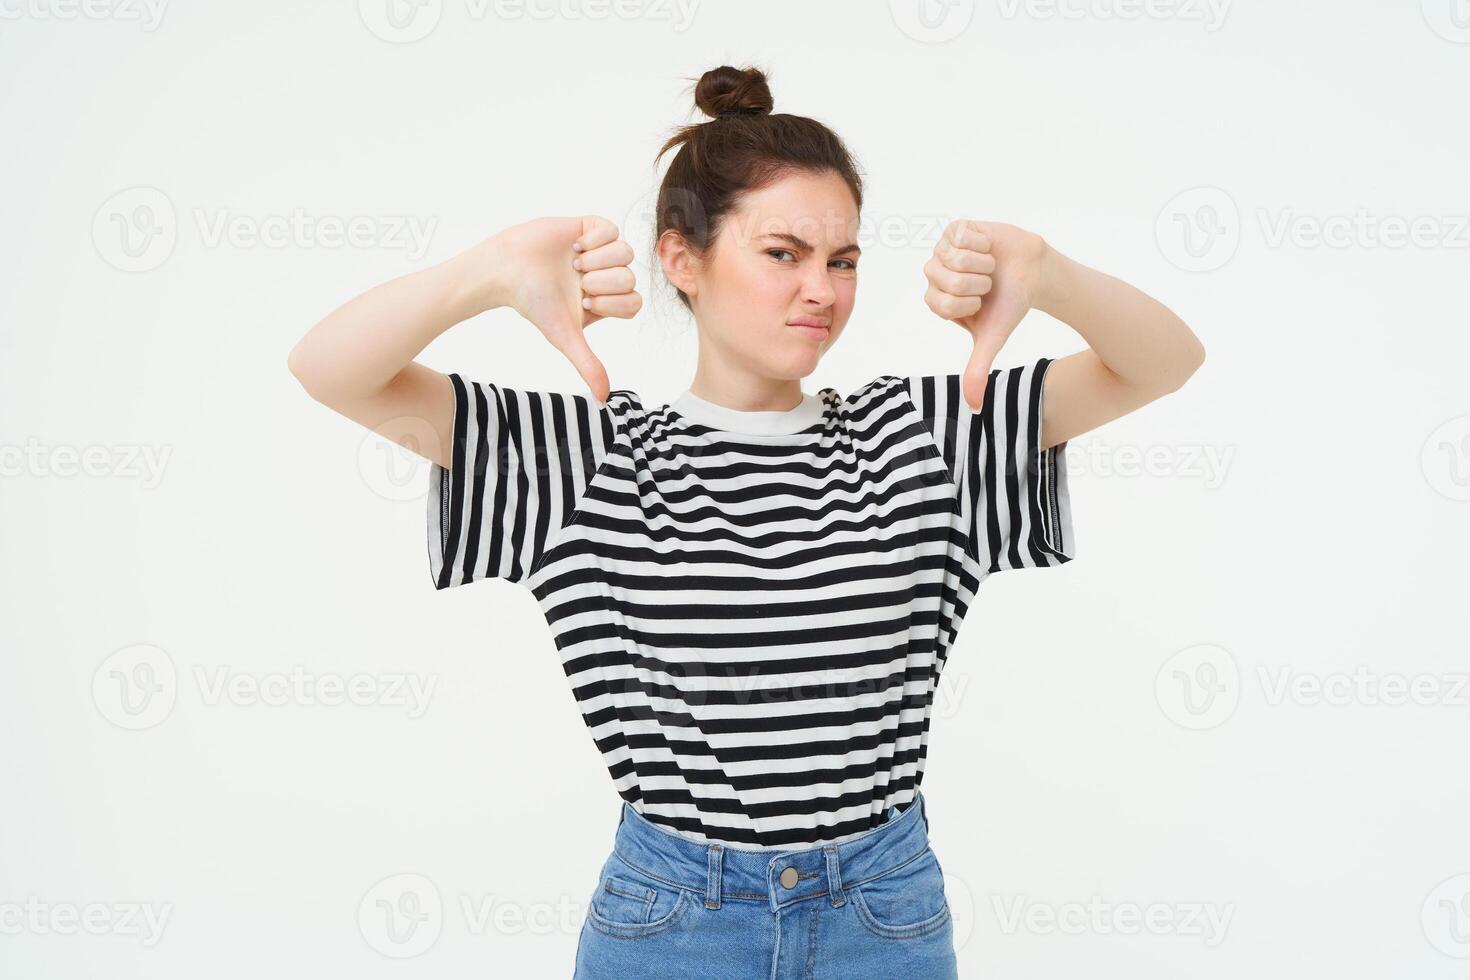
[[788, 422]]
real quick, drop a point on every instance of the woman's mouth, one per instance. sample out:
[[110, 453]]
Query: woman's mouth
[[814, 327]]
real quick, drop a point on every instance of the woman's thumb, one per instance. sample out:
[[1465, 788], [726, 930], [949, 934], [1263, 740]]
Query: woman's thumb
[[579, 352], [977, 371]]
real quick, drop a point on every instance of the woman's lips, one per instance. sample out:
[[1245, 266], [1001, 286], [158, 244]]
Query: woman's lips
[[810, 326]]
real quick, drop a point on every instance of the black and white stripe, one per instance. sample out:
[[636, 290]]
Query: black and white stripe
[[1016, 500], [526, 457], [754, 625]]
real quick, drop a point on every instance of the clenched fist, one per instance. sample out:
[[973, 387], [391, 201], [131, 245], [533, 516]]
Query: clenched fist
[[566, 274], [984, 275]]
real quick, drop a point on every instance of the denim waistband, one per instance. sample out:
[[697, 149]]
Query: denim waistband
[[719, 873]]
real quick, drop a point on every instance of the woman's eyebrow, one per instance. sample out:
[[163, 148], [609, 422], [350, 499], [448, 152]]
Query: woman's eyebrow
[[802, 244]]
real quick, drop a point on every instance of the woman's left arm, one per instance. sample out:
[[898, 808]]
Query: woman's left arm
[[986, 276], [1138, 350]]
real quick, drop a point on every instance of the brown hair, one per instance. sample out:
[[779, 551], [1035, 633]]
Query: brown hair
[[741, 148]]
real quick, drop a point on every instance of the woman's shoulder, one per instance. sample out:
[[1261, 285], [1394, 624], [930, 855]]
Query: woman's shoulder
[[882, 387]]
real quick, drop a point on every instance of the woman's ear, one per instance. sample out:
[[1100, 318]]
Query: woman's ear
[[681, 266]]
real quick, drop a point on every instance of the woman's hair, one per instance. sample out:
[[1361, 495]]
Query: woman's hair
[[741, 148]]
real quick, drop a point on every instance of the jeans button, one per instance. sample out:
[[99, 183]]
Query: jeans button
[[788, 878]]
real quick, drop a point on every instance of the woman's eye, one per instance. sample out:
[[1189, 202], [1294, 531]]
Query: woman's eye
[[847, 265]]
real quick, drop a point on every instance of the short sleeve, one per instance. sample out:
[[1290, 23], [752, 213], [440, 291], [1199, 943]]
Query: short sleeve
[[1014, 499], [520, 463]]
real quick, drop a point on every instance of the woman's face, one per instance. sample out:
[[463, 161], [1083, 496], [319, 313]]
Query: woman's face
[[776, 287]]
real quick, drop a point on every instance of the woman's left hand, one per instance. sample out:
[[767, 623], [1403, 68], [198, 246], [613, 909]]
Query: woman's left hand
[[984, 276]]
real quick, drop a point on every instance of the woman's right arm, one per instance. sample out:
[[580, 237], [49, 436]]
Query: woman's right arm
[[359, 362]]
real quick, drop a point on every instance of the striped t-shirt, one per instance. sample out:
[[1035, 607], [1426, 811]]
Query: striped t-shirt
[[753, 608]]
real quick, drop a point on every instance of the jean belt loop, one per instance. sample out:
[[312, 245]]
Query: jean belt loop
[[716, 855], [834, 877]]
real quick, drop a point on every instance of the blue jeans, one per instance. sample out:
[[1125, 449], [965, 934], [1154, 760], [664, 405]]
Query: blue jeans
[[666, 906]]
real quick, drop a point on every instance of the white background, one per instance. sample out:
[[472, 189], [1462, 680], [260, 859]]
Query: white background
[[1113, 731]]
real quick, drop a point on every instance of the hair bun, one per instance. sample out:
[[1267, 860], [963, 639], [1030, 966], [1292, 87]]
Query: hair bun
[[727, 91]]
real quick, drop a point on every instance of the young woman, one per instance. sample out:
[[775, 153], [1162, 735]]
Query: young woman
[[753, 589]]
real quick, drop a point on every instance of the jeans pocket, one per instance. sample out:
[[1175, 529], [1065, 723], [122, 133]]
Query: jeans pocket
[[905, 903], [630, 905]]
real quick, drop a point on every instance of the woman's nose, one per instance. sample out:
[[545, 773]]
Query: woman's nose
[[818, 289]]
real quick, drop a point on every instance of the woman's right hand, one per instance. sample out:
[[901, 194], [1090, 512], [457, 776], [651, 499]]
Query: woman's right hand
[[553, 265]]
